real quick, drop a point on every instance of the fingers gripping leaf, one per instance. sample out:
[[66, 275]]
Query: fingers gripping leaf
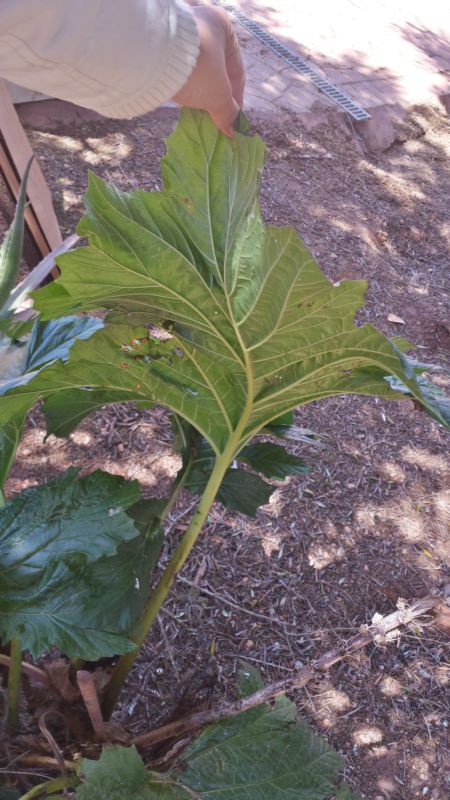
[[256, 326]]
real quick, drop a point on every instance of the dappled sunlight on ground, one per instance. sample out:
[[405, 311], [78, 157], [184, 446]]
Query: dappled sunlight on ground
[[425, 459], [98, 443], [366, 735]]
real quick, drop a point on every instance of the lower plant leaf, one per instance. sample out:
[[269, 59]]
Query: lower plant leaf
[[85, 614], [263, 754], [121, 599], [76, 521], [75, 566], [244, 492], [55, 612], [239, 491], [344, 793], [284, 428], [120, 773], [9, 793], [272, 460]]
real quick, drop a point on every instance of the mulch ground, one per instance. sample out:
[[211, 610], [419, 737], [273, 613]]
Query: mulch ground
[[370, 521]]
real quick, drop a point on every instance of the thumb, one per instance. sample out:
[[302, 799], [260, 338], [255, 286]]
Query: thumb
[[225, 115]]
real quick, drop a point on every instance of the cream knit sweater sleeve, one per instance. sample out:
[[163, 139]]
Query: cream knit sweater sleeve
[[118, 57]]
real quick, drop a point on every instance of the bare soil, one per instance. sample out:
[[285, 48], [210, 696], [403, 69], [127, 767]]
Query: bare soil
[[370, 521]]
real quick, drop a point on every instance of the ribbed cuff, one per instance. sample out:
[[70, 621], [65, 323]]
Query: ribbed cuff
[[184, 49]]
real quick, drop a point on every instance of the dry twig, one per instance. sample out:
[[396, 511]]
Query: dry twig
[[380, 632], [89, 694]]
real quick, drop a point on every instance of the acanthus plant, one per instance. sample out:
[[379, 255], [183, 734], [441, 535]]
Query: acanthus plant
[[228, 323]]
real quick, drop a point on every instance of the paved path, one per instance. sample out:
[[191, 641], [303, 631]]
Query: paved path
[[387, 56], [381, 53]]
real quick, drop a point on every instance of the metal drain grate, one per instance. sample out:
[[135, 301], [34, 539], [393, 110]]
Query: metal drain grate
[[298, 63]]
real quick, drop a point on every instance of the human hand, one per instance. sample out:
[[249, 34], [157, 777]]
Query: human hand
[[216, 84]]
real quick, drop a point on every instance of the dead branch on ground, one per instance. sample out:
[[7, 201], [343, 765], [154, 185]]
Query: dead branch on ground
[[380, 632]]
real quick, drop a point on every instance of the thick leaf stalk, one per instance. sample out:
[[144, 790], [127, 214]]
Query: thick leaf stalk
[[15, 666], [50, 787], [11, 249], [10, 435], [165, 583]]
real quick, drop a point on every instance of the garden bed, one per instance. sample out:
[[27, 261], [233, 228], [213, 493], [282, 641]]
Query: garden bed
[[368, 524]]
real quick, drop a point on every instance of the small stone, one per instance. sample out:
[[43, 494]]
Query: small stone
[[396, 319]]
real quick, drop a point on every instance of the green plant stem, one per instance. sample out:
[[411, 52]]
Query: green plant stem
[[165, 583], [2, 499], [50, 787], [14, 673]]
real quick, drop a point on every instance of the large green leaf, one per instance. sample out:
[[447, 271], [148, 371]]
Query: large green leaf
[[258, 327], [60, 543], [263, 754]]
